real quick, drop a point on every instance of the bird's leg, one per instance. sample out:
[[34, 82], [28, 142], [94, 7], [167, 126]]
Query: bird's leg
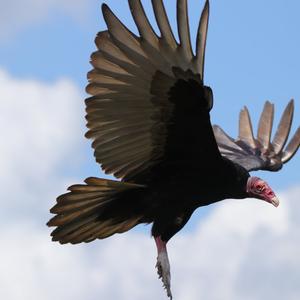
[[163, 265]]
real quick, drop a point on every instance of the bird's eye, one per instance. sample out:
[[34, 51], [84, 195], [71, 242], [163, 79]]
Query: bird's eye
[[260, 188]]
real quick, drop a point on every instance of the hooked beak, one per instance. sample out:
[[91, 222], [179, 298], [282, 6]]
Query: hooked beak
[[274, 201]]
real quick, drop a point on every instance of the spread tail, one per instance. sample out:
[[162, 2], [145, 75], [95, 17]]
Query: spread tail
[[95, 210]]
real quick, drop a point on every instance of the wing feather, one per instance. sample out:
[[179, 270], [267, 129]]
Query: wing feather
[[120, 32], [145, 29], [130, 113], [259, 153], [102, 76], [265, 125], [224, 140], [245, 128], [163, 24], [105, 43], [99, 62], [184, 30], [292, 147], [201, 40], [284, 128]]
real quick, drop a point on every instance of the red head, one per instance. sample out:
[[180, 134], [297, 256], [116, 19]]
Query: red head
[[257, 188]]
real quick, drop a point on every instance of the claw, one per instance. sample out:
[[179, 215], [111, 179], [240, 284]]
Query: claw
[[163, 271]]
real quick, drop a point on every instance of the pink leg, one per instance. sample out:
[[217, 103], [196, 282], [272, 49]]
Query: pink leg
[[163, 265], [160, 244]]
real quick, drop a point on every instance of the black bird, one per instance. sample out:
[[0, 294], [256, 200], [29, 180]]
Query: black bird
[[148, 116]]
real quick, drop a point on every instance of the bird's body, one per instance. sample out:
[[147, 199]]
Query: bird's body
[[176, 195], [149, 118]]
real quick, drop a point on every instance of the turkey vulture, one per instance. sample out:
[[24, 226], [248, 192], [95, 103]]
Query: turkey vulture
[[148, 117]]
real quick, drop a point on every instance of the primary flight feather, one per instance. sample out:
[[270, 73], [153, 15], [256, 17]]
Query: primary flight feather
[[148, 117]]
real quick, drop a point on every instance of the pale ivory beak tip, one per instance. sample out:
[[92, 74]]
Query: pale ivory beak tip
[[275, 201]]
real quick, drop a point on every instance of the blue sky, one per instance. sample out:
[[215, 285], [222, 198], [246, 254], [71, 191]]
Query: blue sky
[[252, 56]]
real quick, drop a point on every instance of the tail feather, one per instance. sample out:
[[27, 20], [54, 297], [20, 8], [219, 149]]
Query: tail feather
[[103, 230], [97, 209], [72, 197]]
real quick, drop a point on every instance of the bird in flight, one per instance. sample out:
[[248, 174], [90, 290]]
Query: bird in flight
[[149, 119]]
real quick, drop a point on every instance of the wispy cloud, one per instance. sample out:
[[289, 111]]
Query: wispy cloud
[[245, 249], [15, 15]]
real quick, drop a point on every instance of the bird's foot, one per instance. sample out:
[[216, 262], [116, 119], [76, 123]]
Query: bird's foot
[[163, 271]]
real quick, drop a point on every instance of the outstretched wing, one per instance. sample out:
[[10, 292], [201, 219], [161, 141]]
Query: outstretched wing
[[260, 153], [148, 101]]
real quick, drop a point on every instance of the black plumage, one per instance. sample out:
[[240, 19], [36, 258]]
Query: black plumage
[[148, 116]]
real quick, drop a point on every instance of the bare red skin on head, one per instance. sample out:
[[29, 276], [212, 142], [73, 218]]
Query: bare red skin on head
[[258, 188]]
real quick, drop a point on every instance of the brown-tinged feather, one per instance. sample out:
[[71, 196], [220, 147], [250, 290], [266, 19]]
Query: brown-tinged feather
[[184, 30], [201, 40], [292, 147], [265, 125], [284, 128], [145, 29], [245, 128], [163, 23]]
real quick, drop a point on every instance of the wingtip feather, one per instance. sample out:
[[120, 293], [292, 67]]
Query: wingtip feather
[[201, 39], [104, 8], [292, 147], [141, 20], [284, 128], [265, 125], [184, 29], [245, 128]]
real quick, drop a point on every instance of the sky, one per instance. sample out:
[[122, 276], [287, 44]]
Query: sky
[[231, 250]]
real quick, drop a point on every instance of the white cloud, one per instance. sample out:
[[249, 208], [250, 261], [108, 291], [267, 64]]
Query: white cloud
[[244, 249], [16, 15], [41, 128]]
